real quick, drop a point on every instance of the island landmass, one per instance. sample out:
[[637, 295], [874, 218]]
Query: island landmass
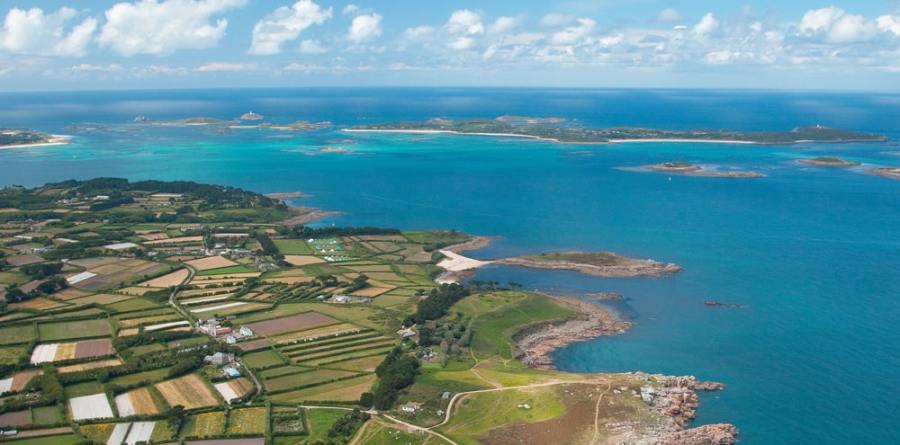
[[534, 128], [25, 138], [688, 169], [829, 161], [886, 172]]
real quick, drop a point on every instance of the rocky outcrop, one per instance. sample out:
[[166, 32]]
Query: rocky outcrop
[[715, 434]]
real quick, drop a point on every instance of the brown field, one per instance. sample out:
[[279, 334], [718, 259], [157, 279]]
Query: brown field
[[189, 391], [213, 262], [127, 332], [241, 386], [91, 365], [302, 260], [337, 391], [90, 263], [121, 271], [310, 334], [306, 320], [365, 364], [178, 240], [143, 402], [137, 291], [152, 236], [133, 322], [21, 260], [15, 418], [367, 268], [168, 280], [38, 304], [288, 280], [70, 293], [92, 348], [21, 379], [254, 345]]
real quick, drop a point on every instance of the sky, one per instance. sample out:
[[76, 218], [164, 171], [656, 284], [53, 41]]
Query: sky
[[757, 44]]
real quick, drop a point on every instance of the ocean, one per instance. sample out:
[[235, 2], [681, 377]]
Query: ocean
[[812, 253]]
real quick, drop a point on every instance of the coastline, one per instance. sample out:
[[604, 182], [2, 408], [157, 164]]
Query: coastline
[[461, 133], [537, 343], [55, 140]]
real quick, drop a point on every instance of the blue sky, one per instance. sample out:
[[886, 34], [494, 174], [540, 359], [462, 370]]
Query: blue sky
[[95, 44]]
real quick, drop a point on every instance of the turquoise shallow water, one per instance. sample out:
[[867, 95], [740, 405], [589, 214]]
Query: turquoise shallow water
[[814, 253]]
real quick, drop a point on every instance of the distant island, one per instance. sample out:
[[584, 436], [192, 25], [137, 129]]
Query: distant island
[[248, 120], [23, 137], [688, 169], [828, 161], [887, 172], [534, 128]]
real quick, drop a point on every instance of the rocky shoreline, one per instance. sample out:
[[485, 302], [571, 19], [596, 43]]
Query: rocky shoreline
[[537, 343], [672, 400], [828, 161], [675, 401]]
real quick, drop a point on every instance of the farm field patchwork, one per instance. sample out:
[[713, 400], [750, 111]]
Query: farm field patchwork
[[190, 391]]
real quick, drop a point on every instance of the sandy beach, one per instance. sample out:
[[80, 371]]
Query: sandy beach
[[56, 139]]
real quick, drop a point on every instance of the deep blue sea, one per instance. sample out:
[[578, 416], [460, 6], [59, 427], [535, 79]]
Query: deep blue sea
[[813, 253]]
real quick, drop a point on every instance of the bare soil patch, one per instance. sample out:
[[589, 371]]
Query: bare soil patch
[[297, 322]]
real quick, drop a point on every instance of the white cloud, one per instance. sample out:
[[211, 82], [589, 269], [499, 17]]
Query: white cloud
[[163, 27], [503, 25], [462, 43], [465, 22], [350, 9], [668, 15], [555, 20], [835, 25], [707, 25], [285, 24], [303, 68], [418, 33], [889, 23], [90, 68], [364, 27], [159, 70], [312, 47], [34, 32], [219, 67], [575, 33]]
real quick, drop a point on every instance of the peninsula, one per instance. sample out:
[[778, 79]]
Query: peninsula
[[533, 128], [176, 312], [24, 138]]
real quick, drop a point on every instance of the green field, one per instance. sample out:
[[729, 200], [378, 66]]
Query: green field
[[293, 247], [10, 355], [320, 421], [83, 389], [239, 268], [48, 415], [152, 376], [69, 330], [68, 439], [262, 359], [22, 333]]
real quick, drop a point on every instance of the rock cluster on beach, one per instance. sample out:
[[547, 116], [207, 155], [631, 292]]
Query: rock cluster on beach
[[688, 169], [675, 401]]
